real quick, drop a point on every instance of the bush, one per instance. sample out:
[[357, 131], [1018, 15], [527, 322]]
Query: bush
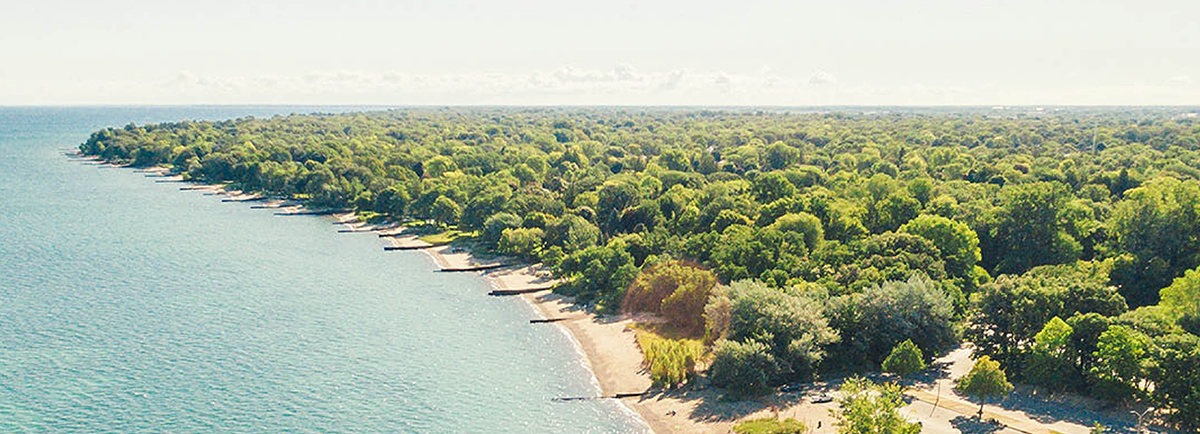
[[671, 362], [744, 368], [769, 425], [675, 290], [790, 324], [906, 359], [494, 226], [520, 242]]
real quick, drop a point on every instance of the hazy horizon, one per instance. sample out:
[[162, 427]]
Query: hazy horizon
[[543, 53]]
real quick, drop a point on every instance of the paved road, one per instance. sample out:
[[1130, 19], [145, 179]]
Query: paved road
[[945, 421]]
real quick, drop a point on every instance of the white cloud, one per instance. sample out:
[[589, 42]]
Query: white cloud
[[821, 78], [572, 85]]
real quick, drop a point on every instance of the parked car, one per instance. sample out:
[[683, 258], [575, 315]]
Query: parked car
[[821, 399]]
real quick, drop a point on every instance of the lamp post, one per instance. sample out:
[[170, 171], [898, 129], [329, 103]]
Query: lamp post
[[1140, 417]]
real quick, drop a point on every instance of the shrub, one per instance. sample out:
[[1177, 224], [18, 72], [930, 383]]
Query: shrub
[[671, 362], [521, 242], [744, 368], [906, 359], [675, 290]]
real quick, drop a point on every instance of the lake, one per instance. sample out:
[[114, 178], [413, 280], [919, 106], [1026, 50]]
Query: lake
[[131, 306]]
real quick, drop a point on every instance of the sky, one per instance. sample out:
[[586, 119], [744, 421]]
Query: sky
[[613, 52]]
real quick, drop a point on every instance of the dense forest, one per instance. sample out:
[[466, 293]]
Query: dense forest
[[1063, 244]]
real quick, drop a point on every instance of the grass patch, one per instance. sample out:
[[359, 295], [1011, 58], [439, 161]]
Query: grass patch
[[769, 425], [671, 362], [445, 237]]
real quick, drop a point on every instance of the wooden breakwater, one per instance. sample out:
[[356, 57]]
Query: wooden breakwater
[[312, 212], [244, 199], [505, 292], [472, 268], [398, 248], [614, 396]]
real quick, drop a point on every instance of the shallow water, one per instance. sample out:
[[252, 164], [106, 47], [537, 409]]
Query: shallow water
[[130, 306]]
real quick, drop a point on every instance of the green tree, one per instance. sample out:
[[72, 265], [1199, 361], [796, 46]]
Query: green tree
[[1009, 311], [744, 368], [1147, 225], [791, 325], [1120, 355], [805, 224], [1028, 231], [873, 322], [1052, 359], [521, 242], [1176, 378], [985, 381], [906, 359], [958, 244], [867, 408], [495, 225], [445, 211]]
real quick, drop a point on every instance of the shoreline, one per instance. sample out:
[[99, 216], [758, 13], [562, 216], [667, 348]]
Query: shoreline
[[607, 344], [607, 348]]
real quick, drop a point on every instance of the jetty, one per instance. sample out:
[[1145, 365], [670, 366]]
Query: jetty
[[504, 292], [357, 230], [614, 396], [396, 248], [311, 212], [473, 268], [244, 199]]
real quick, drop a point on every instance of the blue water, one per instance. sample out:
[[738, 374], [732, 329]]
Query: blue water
[[130, 306]]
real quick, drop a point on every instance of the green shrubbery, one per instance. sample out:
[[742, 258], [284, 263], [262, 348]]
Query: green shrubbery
[[671, 362]]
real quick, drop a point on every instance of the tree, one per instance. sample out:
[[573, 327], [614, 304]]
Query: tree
[[868, 408], [791, 325], [676, 290], [495, 225], [1183, 296], [522, 242], [1119, 358], [986, 380], [1176, 378], [446, 211], [1052, 359], [1009, 311], [958, 244], [906, 359], [873, 322], [745, 368], [1147, 225], [1029, 232], [598, 274], [572, 233], [772, 186], [805, 224]]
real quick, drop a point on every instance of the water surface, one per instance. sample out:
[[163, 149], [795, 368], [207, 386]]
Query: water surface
[[130, 306]]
